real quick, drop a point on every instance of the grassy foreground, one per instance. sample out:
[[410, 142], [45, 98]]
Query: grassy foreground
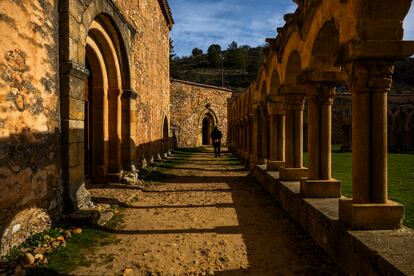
[[400, 178]]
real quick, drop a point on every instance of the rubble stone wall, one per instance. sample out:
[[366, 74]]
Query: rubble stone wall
[[32, 176], [189, 104], [152, 72], [30, 169]]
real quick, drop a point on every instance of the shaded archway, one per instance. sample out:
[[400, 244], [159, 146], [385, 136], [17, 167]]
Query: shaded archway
[[107, 122], [207, 127], [165, 142]]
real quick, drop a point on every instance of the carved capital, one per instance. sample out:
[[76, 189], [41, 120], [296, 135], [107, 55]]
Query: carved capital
[[321, 93], [295, 102], [370, 76]]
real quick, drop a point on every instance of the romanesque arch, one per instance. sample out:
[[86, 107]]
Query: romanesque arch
[[97, 101], [324, 44], [207, 121]]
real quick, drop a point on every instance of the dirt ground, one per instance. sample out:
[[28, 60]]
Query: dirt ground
[[204, 216]]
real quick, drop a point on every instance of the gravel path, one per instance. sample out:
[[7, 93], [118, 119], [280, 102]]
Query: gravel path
[[205, 216]]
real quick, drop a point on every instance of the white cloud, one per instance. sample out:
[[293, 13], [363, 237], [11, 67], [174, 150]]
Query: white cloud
[[200, 23]]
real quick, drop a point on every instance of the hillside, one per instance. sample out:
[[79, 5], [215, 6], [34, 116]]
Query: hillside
[[237, 74], [199, 69]]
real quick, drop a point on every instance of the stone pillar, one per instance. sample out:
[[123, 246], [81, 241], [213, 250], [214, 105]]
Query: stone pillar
[[276, 132], [114, 116], [72, 88], [369, 65], [262, 144], [321, 91], [129, 128], [254, 142], [247, 137], [295, 100]]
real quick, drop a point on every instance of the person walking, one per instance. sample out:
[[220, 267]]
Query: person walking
[[216, 136]]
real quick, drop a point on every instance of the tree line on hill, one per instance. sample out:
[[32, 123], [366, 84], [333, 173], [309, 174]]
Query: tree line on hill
[[239, 66]]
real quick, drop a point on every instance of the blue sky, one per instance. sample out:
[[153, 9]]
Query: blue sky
[[200, 23]]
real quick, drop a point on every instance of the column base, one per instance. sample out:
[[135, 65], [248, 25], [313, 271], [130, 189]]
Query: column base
[[275, 165], [320, 188], [252, 162], [293, 174], [371, 216], [99, 174]]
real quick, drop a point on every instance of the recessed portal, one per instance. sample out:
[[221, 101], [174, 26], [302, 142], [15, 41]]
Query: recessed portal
[[206, 131]]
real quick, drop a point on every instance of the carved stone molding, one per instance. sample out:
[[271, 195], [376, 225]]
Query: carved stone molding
[[370, 76], [295, 102]]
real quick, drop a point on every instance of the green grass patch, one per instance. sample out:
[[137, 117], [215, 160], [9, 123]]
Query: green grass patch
[[65, 259], [400, 178]]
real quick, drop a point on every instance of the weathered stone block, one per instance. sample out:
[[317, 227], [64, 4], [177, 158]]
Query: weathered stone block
[[73, 131], [275, 165], [371, 216], [320, 188], [293, 174]]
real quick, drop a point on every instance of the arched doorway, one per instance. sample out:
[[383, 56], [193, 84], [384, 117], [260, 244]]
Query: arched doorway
[[208, 124], [207, 121], [104, 120]]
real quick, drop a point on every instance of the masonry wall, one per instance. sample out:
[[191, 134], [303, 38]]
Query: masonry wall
[[31, 178], [30, 169], [189, 104], [151, 73]]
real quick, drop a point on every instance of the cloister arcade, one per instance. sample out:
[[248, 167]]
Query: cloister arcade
[[324, 44]]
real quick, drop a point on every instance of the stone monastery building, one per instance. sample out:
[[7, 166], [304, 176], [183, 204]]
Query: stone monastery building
[[84, 95]]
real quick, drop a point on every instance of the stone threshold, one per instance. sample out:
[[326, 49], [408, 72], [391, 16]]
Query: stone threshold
[[389, 252]]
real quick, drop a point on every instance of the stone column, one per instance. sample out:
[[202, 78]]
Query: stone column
[[72, 90], [254, 136], [252, 157], [114, 116], [321, 88], [370, 82], [295, 100], [276, 132], [262, 147], [129, 128], [247, 137]]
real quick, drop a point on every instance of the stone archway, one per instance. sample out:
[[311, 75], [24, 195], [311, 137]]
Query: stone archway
[[207, 128], [207, 121], [97, 103]]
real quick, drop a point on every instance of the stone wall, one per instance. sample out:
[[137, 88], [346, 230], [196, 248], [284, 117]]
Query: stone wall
[[190, 102], [30, 169], [152, 73], [36, 138]]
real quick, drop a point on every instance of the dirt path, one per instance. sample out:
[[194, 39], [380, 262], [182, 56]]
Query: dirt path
[[205, 216]]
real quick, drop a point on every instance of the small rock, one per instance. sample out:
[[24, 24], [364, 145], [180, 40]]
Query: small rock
[[60, 238], [38, 250], [77, 231], [128, 271], [18, 270], [39, 257], [28, 258], [55, 245], [68, 234], [211, 272], [45, 261], [46, 237]]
